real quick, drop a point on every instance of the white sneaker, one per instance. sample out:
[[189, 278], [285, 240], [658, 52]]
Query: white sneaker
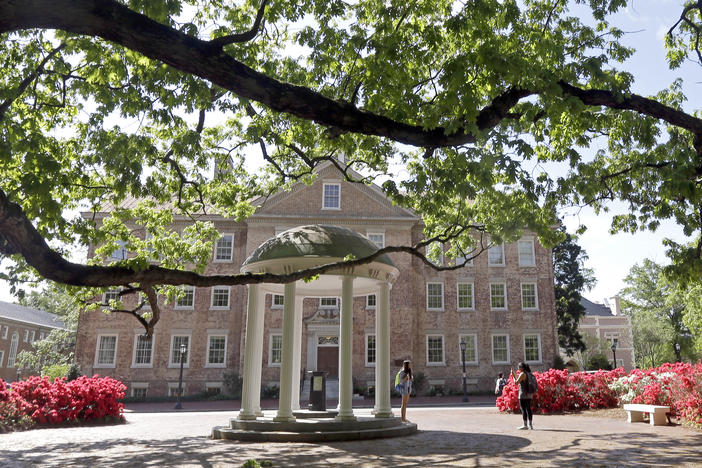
[[523, 427]]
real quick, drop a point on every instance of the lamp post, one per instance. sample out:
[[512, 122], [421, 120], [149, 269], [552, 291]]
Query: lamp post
[[677, 351], [614, 354], [463, 357], [183, 350]]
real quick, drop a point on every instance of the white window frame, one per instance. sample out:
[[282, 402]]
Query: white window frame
[[26, 336], [504, 288], [134, 353], [468, 337], [443, 350], [12, 355], [107, 295], [120, 253], [381, 234], [112, 365], [277, 306], [270, 350], [375, 300], [324, 195], [327, 306], [186, 363], [5, 329], [217, 385], [440, 308], [173, 389], [492, 348], [32, 336], [2, 356], [375, 349], [524, 241], [209, 346], [187, 290], [502, 250], [41, 335], [458, 295], [212, 297], [538, 340], [536, 294], [215, 254], [139, 386]]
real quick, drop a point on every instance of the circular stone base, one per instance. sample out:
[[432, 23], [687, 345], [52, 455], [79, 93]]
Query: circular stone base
[[366, 426]]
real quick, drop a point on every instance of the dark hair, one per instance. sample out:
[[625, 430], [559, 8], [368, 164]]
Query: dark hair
[[406, 367], [500, 375], [525, 366]]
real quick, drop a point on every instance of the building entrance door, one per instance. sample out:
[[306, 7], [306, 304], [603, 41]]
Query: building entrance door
[[328, 360]]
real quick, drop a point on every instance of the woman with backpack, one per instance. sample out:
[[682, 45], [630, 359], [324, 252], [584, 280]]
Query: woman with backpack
[[403, 384], [522, 380]]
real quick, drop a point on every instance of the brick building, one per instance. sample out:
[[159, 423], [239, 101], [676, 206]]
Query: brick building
[[502, 305], [20, 327]]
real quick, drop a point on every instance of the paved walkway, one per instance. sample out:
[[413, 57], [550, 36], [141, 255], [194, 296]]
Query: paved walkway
[[449, 436]]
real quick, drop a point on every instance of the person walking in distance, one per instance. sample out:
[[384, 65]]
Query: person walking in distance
[[522, 380], [404, 386], [500, 384]]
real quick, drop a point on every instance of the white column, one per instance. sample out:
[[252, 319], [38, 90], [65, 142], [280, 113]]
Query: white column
[[249, 390], [382, 353], [346, 351], [258, 350], [286, 370], [297, 354]]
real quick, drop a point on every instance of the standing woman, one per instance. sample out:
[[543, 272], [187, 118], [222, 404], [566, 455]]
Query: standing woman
[[524, 396], [405, 387]]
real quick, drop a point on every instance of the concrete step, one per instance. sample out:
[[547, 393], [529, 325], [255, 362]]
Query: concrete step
[[404, 429], [311, 425]]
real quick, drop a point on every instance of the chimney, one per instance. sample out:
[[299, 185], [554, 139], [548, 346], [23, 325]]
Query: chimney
[[617, 308]]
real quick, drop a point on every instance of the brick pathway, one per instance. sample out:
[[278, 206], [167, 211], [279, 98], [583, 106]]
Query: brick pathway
[[449, 436]]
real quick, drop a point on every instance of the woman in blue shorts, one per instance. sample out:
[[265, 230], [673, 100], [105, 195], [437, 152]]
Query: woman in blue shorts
[[405, 387]]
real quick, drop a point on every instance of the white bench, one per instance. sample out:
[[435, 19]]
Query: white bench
[[657, 414]]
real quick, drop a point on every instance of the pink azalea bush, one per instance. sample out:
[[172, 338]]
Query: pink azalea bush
[[46, 402], [678, 385]]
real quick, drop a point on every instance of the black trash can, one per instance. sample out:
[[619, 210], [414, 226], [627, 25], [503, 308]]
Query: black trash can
[[318, 391]]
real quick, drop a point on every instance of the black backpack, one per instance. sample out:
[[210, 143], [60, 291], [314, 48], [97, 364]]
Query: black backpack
[[532, 384]]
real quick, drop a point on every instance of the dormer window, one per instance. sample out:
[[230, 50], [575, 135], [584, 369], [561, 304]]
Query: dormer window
[[332, 197]]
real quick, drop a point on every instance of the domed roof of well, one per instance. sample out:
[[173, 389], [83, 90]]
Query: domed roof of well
[[316, 241]]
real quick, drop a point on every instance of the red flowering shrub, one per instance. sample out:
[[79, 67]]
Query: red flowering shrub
[[59, 401]]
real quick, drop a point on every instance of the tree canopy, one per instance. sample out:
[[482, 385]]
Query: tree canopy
[[103, 101]]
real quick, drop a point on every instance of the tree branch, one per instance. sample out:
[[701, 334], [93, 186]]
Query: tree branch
[[242, 37]]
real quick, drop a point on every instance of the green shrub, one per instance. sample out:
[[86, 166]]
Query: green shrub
[[270, 392], [599, 361], [558, 362], [73, 372], [419, 383], [55, 371], [232, 384]]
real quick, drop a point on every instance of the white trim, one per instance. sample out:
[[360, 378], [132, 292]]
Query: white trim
[[502, 247], [12, 354], [186, 289], [443, 350], [105, 302], [504, 285], [139, 386], [443, 304], [324, 195], [270, 349], [327, 306], [273, 304], [173, 389], [112, 365], [229, 298], [536, 295], [370, 233], [134, 352], [216, 247], [492, 348], [186, 363], [474, 336], [208, 364], [370, 364], [372, 307], [524, 240], [26, 336], [538, 337], [472, 296], [2, 356]]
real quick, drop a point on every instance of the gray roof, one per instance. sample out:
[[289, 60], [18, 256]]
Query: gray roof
[[316, 241], [592, 308], [24, 314]]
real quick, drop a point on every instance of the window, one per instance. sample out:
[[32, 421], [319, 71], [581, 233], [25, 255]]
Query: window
[[378, 238], [111, 295], [213, 388], [139, 390], [612, 338], [526, 252], [5, 329], [187, 300], [460, 260], [328, 302], [465, 296], [496, 255], [176, 342], [529, 296], [498, 296], [435, 350], [14, 342], [216, 350], [370, 301], [2, 357], [500, 349], [275, 356], [278, 301], [332, 197], [224, 248], [173, 389], [532, 348], [121, 252], [106, 351], [26, 336], [31, 338], [143, 351], [220, 297], [435, 296], [471, 348], [41, 335], [370, 350]]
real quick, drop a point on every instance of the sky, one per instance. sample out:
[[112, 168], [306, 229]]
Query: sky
[[612, 256]]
